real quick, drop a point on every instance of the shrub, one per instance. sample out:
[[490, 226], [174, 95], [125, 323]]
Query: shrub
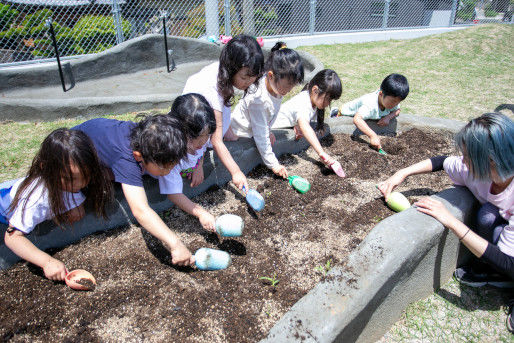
[[7, 16], [466, 10], [489, 11]]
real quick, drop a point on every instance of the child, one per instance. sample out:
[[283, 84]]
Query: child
[[241, 65], [197, 116], [487, 170], [382, 105], [65, 164], [254, 115], [154, 145], [310, 104]]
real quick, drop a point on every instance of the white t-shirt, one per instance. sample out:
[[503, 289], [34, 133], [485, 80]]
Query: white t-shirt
[[367, 107], [205, 82], [253, 117], [37, 206], [173, 182], [297, 107]]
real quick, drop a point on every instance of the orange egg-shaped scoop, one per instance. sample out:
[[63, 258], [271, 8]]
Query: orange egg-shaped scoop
[[80, 280]]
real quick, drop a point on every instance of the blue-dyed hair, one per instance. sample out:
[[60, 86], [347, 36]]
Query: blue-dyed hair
[[488, 138]]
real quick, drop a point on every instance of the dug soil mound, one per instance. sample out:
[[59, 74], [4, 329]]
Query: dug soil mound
[[284, 251]]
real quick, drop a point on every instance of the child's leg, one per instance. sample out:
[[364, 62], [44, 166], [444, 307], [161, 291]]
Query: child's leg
[[75, 214], [230, 136]]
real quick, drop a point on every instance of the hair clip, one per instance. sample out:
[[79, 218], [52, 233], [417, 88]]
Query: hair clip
[[283, 47]]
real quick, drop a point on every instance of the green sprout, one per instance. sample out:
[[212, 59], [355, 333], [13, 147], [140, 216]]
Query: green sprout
[[324, 268], [376, 219], [273, 281]]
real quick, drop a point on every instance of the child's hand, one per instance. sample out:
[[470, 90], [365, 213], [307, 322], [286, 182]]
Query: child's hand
[[75, 214], [436, 209], [326, 159], [384, 121], [197, 176], [280, 171], [230, 136], [388, 185], [181, 256], [239, 179], [297, 132], [375, 142], [208, 221], [272, 138], [54, 269]]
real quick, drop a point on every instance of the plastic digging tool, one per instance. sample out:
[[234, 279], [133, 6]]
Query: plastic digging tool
[[229, 225], [212, 259], [80, 280], [397, 202], [254, 199], [299, 183], [382, 152]]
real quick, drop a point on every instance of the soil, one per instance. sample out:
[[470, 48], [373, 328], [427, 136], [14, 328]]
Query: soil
[[295, 239], [90, 286]]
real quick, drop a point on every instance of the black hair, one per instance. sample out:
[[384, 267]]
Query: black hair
[[160, 139], [240, 52], [285, 63], [395, 85], [195, 114], [52, 163], [329, 85]]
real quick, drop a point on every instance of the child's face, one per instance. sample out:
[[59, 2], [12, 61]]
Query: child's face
[[243, 79], [319, 100], [156, 170], [280, 86], [197, 143], [76, 182], [389, 101]]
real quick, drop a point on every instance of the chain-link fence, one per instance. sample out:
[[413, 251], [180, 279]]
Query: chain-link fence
[[89, 26]]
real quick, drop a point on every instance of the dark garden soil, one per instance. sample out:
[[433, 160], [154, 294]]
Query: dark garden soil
[[140, 296]]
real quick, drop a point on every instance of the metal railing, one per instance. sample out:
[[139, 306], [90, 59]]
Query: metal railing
[[90, 26]]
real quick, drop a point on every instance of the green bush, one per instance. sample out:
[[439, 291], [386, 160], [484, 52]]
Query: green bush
[[489, 11], [466, 10], [7, 16]]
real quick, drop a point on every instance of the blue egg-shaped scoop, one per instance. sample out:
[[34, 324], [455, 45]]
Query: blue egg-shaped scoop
[[212, 259], [255, 200], [230, 225]]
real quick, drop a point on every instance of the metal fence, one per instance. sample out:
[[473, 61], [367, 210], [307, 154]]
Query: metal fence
[[90, 26]]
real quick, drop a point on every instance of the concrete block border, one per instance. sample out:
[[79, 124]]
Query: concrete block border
[[404, 258]]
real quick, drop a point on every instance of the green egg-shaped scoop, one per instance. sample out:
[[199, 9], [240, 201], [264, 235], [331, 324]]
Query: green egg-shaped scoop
[[397, 202], [299, 183]]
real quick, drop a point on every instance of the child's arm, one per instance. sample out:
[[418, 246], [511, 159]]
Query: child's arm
[[146, 216], [388, 185], [197, 177], [476, 244], [361, 125], [384, 121], [311, 137], [185, 204], [261, 135], [24, 248], [238, 178]]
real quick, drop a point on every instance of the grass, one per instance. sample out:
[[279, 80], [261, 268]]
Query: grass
[[455, 313], [457, 75]]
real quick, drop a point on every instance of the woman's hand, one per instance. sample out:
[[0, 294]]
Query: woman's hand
[[388, 185], [436, 209]]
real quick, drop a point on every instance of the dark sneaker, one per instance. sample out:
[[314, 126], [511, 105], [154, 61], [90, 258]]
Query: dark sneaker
[[467, 276], [510, 318]]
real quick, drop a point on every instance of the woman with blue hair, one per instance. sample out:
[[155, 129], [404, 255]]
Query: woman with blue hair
[[486, 168]]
